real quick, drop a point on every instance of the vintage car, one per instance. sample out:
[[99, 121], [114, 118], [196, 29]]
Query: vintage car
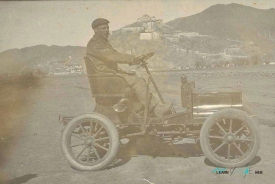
[[225, 128]]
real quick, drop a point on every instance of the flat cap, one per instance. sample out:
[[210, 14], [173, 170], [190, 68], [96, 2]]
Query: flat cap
[[98, 22]]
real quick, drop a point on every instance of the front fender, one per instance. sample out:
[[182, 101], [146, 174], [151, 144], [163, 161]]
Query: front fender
[[251, 112]]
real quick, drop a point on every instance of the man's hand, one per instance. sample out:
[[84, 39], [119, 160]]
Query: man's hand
[[139, 59]]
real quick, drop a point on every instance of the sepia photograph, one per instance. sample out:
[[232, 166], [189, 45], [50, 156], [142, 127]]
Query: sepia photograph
[[137, 92]]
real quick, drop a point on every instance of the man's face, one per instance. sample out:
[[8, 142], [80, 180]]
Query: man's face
[[102, 30]]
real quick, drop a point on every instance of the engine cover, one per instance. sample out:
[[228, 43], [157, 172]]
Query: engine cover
[[206, 102]]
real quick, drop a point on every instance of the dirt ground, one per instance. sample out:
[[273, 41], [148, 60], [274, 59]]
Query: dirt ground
[[30, 133]]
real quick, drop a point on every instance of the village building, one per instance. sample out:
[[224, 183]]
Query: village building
[[147, 27], [134, 29], [66, 67]]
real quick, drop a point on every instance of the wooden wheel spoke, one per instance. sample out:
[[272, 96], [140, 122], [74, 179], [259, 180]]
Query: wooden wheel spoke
[[228, 151], [101, 139], [79, 144], [245, 139], [215, 137], [99, 146], [239, 130], [81, 152], [95, 127], [98, 131], [219, 147], [230, 126], [77, 136], [96, 153], [221, 128], [83, 129], [88, 156], [91, 128], [238, 148]]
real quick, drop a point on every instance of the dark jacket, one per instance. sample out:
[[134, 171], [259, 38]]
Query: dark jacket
[[104, 55]]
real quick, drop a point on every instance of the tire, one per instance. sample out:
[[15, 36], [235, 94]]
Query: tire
[[90, 142], [234, 131]]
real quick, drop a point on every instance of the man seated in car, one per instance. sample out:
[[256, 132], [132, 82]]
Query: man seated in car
[[105, 58]]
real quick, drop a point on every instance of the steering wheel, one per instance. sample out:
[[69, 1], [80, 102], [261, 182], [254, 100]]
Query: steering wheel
[[142, 58]]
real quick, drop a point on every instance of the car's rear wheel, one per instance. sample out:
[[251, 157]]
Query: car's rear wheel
[[229, 138], [90, 142]]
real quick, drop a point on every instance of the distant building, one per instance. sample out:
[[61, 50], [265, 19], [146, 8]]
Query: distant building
[[149, 36], [155, 35], [145, 36], [172, 38], [132, 29], [144, 18], [144, 24], [66, 67], [188, 34]]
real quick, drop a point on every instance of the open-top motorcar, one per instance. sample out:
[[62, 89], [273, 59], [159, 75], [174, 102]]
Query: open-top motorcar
[[225, 128]]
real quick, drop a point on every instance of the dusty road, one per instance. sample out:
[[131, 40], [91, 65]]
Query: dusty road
[[31, 153]]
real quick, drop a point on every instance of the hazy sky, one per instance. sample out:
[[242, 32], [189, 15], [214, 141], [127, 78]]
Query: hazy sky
[[31, 23]]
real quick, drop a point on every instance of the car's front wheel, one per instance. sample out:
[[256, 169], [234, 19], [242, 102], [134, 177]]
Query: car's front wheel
[[229, 138]]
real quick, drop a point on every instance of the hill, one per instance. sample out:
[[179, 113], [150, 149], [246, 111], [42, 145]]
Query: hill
[[233, 21], [226, 33], [14, 60]]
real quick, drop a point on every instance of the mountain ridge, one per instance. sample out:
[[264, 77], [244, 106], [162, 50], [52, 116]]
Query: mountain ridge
[[13, 60], [222, 22], [233, 21]]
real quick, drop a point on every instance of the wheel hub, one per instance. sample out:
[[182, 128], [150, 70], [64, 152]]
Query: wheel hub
[[89, 142], [229, 138]]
